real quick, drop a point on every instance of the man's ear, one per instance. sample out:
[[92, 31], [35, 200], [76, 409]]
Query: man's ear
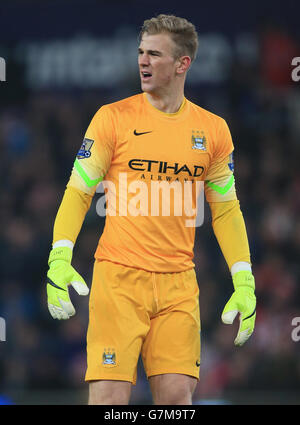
[[184, 62]]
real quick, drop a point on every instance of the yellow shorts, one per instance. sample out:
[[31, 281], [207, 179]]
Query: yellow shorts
[[133, 312]]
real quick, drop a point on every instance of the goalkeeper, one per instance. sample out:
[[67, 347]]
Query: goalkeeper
[[144, 296]]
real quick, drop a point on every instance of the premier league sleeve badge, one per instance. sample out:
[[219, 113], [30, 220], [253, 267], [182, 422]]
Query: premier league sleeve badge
[[85, 149]]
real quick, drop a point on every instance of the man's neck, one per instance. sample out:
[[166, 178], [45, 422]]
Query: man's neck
[[169, 104]]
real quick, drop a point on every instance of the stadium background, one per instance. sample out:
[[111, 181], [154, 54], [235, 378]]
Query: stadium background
[[64, 60]]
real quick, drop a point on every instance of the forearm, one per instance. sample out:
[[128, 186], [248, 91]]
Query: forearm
[[230, 230], [71, 215]]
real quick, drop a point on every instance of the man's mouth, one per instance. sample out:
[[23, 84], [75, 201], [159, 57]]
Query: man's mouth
[[145, 75]]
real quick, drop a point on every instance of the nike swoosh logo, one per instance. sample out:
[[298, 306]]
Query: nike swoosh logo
[[54, 284], [197, 363], [139, 134]]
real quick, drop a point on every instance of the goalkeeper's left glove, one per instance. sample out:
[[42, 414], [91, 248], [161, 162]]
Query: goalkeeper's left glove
[[242, 301]]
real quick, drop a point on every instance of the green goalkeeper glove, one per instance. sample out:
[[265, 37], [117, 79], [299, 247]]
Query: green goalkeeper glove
[[242, 301], [59, 276]]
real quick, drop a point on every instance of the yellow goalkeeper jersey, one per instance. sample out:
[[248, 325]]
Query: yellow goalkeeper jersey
[[153, 166]]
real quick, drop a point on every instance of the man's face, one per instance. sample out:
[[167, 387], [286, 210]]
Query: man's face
[[156, 62]]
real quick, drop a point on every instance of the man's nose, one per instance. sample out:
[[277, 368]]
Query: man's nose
[[144, 59]]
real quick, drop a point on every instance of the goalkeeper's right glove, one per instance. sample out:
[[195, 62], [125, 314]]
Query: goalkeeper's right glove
[[59, 276]]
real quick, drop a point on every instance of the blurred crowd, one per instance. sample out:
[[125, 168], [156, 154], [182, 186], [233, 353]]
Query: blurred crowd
[[39, 138]]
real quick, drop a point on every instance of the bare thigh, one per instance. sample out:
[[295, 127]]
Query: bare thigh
[[109, 392], [172, 388]]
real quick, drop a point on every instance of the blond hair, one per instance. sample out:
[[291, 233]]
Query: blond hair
[[182, 32]]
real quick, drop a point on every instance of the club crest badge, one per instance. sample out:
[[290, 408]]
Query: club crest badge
[[198, 140], [85, 150], [109, 357]]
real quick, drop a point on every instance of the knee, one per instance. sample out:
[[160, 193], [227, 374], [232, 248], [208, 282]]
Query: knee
[[174, 396]]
